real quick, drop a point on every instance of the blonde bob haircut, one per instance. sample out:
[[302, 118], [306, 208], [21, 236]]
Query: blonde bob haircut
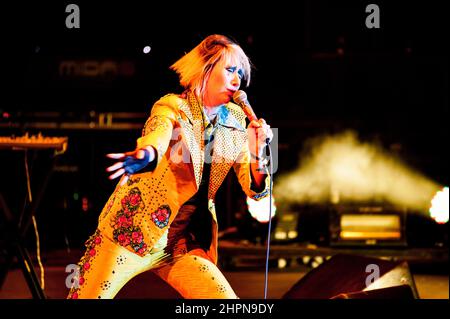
[[195, 67]]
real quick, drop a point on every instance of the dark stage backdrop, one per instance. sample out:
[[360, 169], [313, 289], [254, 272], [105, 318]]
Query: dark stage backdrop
[[318, 69]]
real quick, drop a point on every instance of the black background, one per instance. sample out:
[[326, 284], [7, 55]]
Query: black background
[[318, 70]]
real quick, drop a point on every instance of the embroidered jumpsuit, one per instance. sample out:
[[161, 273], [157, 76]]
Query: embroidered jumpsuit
[[179, 256]]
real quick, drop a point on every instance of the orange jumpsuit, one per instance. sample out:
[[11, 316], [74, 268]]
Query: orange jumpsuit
[[146, 223]]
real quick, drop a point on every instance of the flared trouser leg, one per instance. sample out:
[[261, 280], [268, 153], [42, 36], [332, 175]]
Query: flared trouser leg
[[194, 276], [106, 267]]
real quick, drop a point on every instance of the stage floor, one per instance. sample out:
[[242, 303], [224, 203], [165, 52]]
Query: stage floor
[[247, 285], [245, 274]]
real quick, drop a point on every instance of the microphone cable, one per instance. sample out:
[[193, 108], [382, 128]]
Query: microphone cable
[[240, 98], [266, 274], [33, 217]]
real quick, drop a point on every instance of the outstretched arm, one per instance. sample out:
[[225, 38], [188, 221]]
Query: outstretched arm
[[151, 146]]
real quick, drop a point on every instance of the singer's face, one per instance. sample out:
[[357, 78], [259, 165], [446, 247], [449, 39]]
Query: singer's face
[[224, 80]]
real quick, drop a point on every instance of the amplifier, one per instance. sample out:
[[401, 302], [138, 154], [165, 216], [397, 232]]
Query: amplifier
[[367, 226]]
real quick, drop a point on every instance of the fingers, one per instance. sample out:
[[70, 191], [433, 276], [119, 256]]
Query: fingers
[[119, 166], [125, 179], [122, 155], [254, 124], [115, 167], [121, 171], [259, 123], [117, 174], [261, 131], [115, 155], [140, 154], [270, 135]]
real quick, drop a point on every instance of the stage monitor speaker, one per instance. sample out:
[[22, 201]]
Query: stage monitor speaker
[[350, 276], [396, 292]]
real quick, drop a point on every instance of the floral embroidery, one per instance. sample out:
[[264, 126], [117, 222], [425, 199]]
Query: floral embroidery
[[131, 202], [85, 263], [161, 216], [111, 202], [156, 122], [132, 181], [131, 236], [125, 232]]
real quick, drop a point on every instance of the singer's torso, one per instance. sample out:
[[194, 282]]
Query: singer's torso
[[148, 203]]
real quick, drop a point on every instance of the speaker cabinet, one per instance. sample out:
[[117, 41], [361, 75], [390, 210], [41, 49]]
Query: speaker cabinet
[[349, 276]]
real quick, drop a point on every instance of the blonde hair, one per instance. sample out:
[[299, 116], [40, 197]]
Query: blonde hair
[[195, 66]]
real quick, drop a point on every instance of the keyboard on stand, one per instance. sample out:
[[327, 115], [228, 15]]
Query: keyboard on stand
[[34, 142]]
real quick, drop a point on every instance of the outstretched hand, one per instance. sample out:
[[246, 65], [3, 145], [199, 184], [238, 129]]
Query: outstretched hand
[[130, 162]]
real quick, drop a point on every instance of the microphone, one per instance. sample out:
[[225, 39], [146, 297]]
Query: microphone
[[240, 97]]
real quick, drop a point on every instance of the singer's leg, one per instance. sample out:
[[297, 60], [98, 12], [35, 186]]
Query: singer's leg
[[194, 276], [106, 267]]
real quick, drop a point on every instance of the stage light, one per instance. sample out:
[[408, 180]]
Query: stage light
[[286, 227], [317, 261], [370, 226], [282, 263], [259, 209], [367, 225], [292, 234], [306, 259], [85, 204], [439, 206], [280, 235], [147, 49]]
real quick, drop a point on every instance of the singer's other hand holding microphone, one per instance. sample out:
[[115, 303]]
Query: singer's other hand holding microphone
[[259, 132], [259, 135]]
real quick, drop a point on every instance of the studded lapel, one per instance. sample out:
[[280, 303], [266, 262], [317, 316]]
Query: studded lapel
[[229, 138], [194, 131]]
